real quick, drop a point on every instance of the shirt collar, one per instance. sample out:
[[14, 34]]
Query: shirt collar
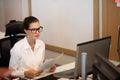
[[37, 44]]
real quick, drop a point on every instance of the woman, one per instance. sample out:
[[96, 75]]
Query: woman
[[27, 55]]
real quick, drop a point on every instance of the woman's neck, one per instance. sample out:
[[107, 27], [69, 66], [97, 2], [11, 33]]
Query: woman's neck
[[31, 43]]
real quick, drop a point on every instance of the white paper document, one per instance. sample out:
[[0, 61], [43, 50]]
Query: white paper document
[[50, 62]]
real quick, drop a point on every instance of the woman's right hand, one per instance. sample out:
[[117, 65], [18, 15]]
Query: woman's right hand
[[32, 73]]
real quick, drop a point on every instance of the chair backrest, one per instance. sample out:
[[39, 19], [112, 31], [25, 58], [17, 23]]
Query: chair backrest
[[14, 27], [14, 32], [5, 45]]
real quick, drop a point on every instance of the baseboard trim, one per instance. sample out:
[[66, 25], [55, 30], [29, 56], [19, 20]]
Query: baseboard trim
[[60, 49]]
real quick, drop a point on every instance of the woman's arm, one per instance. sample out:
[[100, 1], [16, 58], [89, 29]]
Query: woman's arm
[[14, 63]]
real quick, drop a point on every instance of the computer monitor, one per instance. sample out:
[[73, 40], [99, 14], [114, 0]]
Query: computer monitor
[[101, 45], [103, 69]]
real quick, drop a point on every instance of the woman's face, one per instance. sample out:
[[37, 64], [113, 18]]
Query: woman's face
[[33, 31]]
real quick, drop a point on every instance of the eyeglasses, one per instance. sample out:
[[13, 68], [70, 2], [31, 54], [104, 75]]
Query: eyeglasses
[[34, 30]]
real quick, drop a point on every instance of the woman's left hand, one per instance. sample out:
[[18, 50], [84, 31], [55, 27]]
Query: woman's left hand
[[52, 69]]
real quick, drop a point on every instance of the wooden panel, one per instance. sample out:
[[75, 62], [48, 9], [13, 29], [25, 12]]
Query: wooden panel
[[59, 49], [104, 18], [96, 19], [111, 20], [29, 7]]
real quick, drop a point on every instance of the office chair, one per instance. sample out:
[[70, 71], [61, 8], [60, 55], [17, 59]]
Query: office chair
[[13, 33]]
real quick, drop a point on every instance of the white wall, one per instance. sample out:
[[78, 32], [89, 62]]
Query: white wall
[[66, 22], [25, 9], [2, 28], [12, 10]]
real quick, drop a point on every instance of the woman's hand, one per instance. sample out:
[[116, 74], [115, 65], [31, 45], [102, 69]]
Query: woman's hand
[[32, 73], [52, 69]]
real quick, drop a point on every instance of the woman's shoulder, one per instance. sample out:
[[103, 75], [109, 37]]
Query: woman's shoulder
[[17, 46], [19, 43]]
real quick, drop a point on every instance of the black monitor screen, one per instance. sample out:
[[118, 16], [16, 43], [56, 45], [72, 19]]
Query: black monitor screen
[[91, 47]]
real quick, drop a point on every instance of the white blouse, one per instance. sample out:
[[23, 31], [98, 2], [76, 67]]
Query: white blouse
[[24, 58]]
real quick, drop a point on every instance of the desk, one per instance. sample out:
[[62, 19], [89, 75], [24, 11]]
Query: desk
[[58, 69]]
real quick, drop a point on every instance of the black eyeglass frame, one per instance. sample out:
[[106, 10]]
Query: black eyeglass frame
[[34, 30]]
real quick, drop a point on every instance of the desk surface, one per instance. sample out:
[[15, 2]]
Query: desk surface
[[58, 69]]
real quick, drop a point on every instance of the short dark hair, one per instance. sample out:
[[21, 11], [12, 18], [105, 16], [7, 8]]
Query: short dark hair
[[28, 20]]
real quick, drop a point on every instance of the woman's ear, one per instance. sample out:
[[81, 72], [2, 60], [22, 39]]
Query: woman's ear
[[25, 30]]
